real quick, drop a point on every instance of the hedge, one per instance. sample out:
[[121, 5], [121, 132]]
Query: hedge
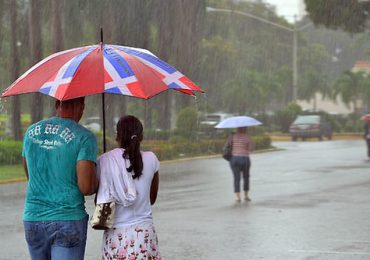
[[182, 148], [11, 151]]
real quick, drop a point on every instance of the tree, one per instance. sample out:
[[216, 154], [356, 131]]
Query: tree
[[187, 122], [56, 25], [349, 86], [313, 66], [57, 40], [251, 92], [14, 71], [178, 32], [2, 5], [35, 42], [349, 15]]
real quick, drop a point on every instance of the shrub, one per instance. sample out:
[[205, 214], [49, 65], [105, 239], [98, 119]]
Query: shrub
[[180, 147], [187, 122], [285, 117], [10, 152], [156, 134]]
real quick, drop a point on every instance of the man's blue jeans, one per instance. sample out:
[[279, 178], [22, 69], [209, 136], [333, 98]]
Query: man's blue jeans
[[56, 240]]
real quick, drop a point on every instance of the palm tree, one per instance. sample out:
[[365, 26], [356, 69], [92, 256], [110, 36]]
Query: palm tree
[[252, 92], [350, 86]]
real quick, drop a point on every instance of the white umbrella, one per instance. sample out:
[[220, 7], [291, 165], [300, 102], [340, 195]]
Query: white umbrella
[[238, 121]]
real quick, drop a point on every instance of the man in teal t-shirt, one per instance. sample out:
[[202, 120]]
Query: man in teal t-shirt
[[59, 157]]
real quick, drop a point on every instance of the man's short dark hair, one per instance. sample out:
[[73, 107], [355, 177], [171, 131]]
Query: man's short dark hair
[[70, 101]]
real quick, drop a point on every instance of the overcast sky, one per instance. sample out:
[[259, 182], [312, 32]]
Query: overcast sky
[[288, 8]]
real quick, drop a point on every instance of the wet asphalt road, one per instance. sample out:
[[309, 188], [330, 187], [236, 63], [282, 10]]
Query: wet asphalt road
[[310, 200]]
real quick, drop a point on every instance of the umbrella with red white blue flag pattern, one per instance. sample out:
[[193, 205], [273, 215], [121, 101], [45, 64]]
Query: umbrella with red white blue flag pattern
[[100, 69]]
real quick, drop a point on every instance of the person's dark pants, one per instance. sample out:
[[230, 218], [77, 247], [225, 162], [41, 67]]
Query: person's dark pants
[[240, 165], [368, 147]]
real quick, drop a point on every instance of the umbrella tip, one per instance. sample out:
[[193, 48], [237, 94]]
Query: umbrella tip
[[101, 34]]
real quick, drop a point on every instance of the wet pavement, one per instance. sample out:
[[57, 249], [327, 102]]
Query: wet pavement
[[310, 200]]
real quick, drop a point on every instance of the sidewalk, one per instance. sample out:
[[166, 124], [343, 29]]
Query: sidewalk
[[336, 136]]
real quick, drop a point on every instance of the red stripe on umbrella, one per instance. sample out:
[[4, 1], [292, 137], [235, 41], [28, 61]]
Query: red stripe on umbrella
[[88, 79], [43, 71]]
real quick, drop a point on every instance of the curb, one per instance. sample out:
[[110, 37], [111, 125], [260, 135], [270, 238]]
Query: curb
[[13, 180], [163, 162]]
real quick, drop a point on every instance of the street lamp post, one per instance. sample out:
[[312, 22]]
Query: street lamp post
[[294, 30]]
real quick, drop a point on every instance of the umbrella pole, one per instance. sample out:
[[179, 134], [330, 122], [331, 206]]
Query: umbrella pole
[[103, 104]]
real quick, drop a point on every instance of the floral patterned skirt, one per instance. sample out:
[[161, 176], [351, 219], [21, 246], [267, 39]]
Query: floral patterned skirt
[[131, 243]]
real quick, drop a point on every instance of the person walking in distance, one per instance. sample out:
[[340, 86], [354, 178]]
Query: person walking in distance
[[129, 177], [240, 162], [367, 137], [59, 157]]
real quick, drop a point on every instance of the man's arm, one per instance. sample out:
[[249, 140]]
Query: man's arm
[[86, 177], [25, 166], [154, 188]]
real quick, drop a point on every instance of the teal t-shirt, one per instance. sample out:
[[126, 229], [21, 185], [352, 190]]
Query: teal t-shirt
[[52, 148]]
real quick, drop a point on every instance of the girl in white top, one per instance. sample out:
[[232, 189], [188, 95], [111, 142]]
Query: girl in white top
[[129, 177]]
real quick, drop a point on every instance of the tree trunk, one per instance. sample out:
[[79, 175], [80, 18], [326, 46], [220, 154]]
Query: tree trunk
[[36, 55], [189, 22], [14, 72], [57, 38], [166, 12], [56, 23], [2, 7]]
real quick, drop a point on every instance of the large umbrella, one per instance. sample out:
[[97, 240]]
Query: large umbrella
[[366, 118], [102, 68], [238, 121]]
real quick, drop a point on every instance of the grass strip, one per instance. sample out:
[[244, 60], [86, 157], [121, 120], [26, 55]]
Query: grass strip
[[9, 173]]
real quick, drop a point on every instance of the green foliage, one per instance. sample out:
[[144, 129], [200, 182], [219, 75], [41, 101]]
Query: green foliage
[[11, 172], [351, 16], [286, 116], [313, 59], [156, 134], [261, 142], [351, 86], [187, 122], [251, 72], [250, 92], [109, 142], [10, 152], [180, 147]]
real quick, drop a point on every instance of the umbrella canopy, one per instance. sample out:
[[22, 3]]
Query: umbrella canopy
[[366, 118], [238, 121], [101, 68]]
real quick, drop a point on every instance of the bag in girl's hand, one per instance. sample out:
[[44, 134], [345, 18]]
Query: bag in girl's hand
[[226, 151], [103, 216]]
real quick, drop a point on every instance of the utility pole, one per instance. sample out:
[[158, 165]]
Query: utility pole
[[294, 30], [295, 65]]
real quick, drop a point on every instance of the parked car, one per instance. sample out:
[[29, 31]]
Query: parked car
[[213, 119], [209, 121], [92, 123], [310, 126]]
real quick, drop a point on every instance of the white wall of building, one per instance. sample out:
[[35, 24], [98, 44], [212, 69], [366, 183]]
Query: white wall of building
[[326, 105]]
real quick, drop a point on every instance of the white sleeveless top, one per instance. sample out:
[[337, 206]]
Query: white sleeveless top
[[112, 187]]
